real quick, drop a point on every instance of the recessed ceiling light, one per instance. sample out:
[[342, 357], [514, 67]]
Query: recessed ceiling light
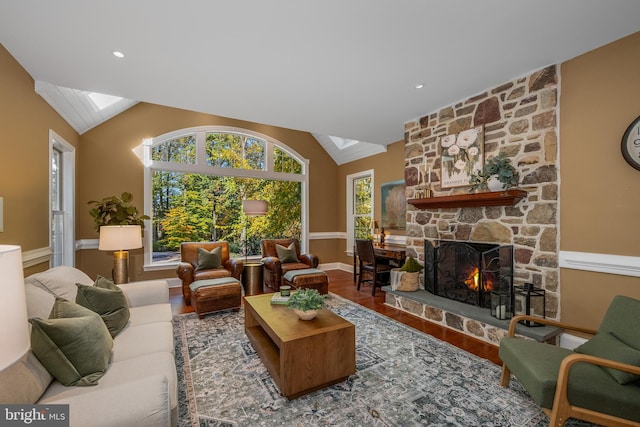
[[419, 86], [118, 54]]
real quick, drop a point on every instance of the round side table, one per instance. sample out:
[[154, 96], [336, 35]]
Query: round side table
[[252, 278]]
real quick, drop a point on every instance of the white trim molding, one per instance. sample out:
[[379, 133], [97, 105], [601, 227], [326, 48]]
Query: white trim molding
[[601, 263], [36, 256], [327, 235]]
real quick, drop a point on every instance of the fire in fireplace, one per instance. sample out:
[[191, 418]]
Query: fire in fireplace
[[467, 271]]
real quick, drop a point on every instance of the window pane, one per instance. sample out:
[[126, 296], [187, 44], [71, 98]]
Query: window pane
[[194, 207], [177, 150], [227, 150], [362, 196], [362, 227], [283, 162]]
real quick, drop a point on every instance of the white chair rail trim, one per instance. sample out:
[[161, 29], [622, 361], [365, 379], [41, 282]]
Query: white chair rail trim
[[601, 263]]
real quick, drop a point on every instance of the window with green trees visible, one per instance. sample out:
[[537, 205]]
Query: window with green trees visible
[[360, 206], [198, 179]]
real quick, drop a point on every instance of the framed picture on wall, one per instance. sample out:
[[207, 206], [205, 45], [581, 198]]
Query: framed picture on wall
[[462, 154], [394, 206]]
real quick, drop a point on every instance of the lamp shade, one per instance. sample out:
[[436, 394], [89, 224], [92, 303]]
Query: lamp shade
[[120, 237], [14, 333], [255, 207]]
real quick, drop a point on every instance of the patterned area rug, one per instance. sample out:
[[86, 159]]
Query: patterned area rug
[[403, 378]]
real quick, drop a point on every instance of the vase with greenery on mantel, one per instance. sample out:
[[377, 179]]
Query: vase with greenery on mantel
[[116, 210], [306, 303], [497, 174]]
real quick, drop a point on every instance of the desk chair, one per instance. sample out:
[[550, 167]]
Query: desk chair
[[370, 265]]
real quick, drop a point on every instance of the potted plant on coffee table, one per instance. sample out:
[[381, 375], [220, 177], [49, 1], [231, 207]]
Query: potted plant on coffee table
[[306, 303]]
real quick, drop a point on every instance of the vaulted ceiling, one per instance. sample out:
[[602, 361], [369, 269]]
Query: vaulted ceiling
[[342, 68]]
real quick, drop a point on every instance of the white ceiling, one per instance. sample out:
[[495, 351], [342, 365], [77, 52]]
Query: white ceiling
[[334, 67]]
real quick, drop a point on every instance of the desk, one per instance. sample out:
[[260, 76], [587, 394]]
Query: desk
[[394, 254]]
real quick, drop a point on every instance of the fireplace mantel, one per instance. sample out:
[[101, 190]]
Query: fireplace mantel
[[494, 198]]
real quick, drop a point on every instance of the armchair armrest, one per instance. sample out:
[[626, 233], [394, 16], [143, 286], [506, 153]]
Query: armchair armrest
[[309, 259], [514, 322], [562, 408], [272, 263], [146, 292], [185, 272], [235, 266]]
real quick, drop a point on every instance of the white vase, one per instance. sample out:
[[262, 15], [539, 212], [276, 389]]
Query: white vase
[[306, 315], [494, 184]]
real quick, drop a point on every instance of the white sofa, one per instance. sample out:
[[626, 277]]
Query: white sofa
[[139, 387]]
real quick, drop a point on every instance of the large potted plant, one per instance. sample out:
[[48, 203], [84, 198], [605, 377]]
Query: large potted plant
[[116, 210], [497, 174], [306, 303]]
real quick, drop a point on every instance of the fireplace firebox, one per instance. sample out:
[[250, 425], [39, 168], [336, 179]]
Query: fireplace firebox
[[468, 272]]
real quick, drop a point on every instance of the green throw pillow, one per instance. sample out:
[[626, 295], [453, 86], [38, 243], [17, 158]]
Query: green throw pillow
[[287, 254], [207, 260], [108, 301], [74, 344], [609, 347]]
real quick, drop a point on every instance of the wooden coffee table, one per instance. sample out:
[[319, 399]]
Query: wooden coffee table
[[301, 355]]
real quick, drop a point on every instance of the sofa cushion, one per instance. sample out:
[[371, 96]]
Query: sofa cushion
[[61, 281], [607, 346], [149, 314], [135, 341], [287, 254], [24, 381], [108, 301], [209, 259], [119, 374], [73, 344]]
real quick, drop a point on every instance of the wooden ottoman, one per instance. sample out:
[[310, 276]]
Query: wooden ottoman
[[215, 294], [307, 278]]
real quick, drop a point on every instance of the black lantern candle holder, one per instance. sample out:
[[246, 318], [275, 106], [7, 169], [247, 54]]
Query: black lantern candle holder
[[531, 301], [501, 306]]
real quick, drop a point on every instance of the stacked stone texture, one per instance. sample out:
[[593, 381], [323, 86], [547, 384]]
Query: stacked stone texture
[[520, 119]]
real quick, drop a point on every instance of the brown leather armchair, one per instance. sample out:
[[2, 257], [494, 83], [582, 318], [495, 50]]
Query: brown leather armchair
[[187, 267], [274, 269]]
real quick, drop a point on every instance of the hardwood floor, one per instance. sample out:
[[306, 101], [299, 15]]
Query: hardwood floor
[[341, 283]]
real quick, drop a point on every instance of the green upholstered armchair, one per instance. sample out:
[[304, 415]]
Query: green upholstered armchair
[[598, 381]]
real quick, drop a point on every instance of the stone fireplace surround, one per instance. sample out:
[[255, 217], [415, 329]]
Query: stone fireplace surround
[[519, 118]]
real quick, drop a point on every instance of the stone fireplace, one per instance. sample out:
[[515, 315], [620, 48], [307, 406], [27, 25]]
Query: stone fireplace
[[518, 118], [467, 272]]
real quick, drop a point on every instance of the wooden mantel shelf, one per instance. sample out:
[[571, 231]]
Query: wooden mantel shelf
[[495, 198]]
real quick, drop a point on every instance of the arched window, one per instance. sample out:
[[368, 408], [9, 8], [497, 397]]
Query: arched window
[[196, 180]]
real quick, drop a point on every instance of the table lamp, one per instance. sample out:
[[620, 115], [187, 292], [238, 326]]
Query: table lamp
[[14, 335], [120, 238], [252, 208]]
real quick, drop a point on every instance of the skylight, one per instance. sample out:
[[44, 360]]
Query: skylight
[[102, 101], [343, 143]]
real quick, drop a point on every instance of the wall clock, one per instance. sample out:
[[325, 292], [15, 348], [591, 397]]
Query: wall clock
[[631, 144]]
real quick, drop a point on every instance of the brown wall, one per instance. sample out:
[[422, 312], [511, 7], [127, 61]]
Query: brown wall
[[25, 121], [107, 166], [600, 203], [387, 167]]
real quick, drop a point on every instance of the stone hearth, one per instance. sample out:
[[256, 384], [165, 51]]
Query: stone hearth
[[471, 320]]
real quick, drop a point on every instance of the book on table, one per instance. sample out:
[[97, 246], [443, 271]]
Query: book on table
[[279, 299]]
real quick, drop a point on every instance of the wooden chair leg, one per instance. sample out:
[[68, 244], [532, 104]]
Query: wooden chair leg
[[506, 376]]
